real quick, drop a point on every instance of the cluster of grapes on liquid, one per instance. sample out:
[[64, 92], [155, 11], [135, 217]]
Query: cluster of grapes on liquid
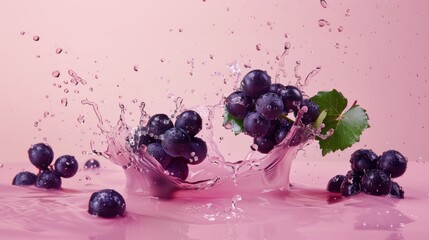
[[264, 107], [371, 174], [174, 146], [49, 177]]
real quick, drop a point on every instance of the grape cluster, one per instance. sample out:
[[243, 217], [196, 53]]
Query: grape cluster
[[49, 177], [263, 107], [371, 174], [174, 146]]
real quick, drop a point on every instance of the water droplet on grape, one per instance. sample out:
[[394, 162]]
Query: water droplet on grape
[[56, 74]]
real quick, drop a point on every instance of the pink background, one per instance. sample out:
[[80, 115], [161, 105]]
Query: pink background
[[381, 61]]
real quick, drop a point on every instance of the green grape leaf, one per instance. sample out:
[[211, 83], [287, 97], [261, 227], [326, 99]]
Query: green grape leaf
[[347, 125], [233, 123]]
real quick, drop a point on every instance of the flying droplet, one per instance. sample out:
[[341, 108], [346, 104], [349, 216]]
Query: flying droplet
[[258, 47], [323, 3], [136, 68], [340, 28], [81, 119], [323, 22], [56, 74], [64, 102], [22, 33], [36, 38], [58, 50]]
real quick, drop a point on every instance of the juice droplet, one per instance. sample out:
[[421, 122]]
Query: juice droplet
[[347, 13], [323, 22], [136, 68], [323, 3], [64, 102], [22, 33], [258, 47], [340, 28], [36, 38], [56, 74], [81, 119], [66, 90], [58, 50]]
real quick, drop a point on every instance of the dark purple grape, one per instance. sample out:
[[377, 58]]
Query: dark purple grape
[[334, 184], [178, 168], [283, 130], [255, 125], [269, 105], [396, 191], [362, 160], [176, 142], [393, 163], [276, 87], [376, 182], [49, 180], [351, 184], [255, 83], [313, 111], [66, 166], [265, 143], [198, 151], [157, 152], [24, 179], [158, 124], [190, 121], [106, 203], [289, 95], [238, 104], [140, 137], [92, 164], [41, 155]]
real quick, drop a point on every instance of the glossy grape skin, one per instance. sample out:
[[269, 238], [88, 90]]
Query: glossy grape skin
[[351, 184], [158, 124], [362, 160], [289, 95], [334, 184], [393, 163], [66, 166], [255, 125], [255, 83], [48, 180], [269, 105], [24, 179], [313, 111], [190, 121], [41, 155], [276, 87], [238, 104], [396, 191], [176, 142], [107, 203], [92, 164], [157, 152], [376, 182], [265, 143], [282, 131], [197, 151], [178, 167]]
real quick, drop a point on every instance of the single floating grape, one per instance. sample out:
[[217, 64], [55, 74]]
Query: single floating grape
[[107, 203], [92, 164], [66, 166], [41, 155], [393, 163], [24, 179]]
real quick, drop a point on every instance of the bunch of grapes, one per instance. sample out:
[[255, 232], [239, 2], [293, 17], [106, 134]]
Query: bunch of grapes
[[371, 174], [173, 146], [264, 106], [49, 177]]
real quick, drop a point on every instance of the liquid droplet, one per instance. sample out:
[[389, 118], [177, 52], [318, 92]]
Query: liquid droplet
[[347, 13], [340, 28], [323, 3], [136, 68], [36, 38], [258, 47], [22, 33], [58, 50], [323, 22], [81, 119], [56, 74], [64, 102]]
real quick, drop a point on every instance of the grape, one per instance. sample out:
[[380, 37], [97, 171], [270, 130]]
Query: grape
[[396, 190], [92, 164], [238, 104], [66, 166], [190, 121], [393, 163], [283, 130], [255, 125], [140, 137], [49, 180], [158, 124], [198, 151], [255, 83], [289, 95], [313, 111], [269, 105], [176, 142], [157, 152], [106, 203], [334, 184], [265, 143], [24, 179], [351, 184], [362, 160], [178, 168], [275, 88], [41, 155], [376, 182]]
